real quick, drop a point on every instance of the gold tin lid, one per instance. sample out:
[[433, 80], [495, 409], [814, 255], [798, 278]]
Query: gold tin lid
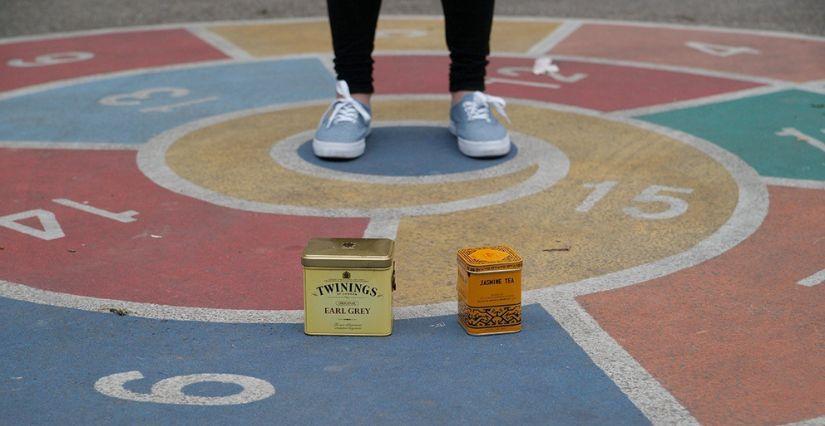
[[348, 253], [489, 258]]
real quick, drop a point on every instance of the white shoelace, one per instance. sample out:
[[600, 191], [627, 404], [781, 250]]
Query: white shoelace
[[478, 108], [345, 108]]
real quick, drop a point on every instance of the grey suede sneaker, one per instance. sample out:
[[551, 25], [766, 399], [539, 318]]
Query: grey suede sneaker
[[479, 133], [343, 130]]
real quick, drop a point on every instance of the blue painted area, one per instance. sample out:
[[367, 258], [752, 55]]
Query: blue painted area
[[51, 358], [75, 113], [407, 151], [747, 127]]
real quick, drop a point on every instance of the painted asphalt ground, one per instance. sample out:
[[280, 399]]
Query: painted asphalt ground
[[19, 17], [732, 266]]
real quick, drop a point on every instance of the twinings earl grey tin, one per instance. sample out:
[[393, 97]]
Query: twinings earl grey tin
[[489, 290], [348, 285]]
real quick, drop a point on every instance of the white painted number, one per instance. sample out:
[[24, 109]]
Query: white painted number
[[122, 217], [810, 140], [51, 230], [170, 391], [676, 206], [52, 59], [137, 98], [50, 227], [511, 75], [651, 194], [721, 50], [599, 191]]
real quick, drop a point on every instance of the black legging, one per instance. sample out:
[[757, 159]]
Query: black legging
[[468, 24]]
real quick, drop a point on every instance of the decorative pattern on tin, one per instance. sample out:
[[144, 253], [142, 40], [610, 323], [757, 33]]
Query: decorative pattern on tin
[[488, 317]]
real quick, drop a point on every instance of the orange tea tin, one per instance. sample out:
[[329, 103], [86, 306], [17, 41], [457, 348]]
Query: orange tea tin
[[489, 290]]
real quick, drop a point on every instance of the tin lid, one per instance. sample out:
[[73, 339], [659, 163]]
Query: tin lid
[[489, 258], [348, 253]]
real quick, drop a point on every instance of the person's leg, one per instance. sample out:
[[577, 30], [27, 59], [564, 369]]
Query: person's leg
[[353, 23], [343, 130], [467, 25]]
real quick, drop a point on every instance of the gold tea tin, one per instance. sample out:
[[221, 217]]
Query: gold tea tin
[[489, 290], [348, 285]]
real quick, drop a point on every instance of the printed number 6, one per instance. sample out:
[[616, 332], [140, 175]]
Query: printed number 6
[[170, 390], [677, 206]]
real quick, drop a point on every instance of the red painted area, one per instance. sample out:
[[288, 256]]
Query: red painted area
[[112, 52], [781, 58], [207, 256], [735, 339], [603, 88]]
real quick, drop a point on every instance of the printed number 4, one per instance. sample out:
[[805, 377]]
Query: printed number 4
[[651, 194]]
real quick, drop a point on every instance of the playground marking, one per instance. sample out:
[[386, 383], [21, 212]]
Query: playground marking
[[802, 137], [563, 31], [816, 421], [552, 166], [815, 279], [721, 50], [215, 40], [98, 146], [170, 390], [640, 386], [705, 100], [794, 183], [51, 59]]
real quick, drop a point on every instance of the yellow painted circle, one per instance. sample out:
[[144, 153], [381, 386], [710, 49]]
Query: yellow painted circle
[[644, 177]]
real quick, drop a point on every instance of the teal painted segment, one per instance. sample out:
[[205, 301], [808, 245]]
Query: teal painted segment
[[747, 127]]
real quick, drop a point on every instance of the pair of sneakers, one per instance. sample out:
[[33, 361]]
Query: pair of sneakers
[[344, 128]]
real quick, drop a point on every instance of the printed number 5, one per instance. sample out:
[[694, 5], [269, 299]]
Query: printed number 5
[[676, 206]]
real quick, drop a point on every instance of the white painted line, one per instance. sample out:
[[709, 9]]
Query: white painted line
[[100, 146], [794, 183], [815, 279], [674, 68], [814, 86], [382, 227], [816, 421], [227, 47], [802, 137], [127, 216], [690, 103], [640, 386], [146, 310], [557, 36]]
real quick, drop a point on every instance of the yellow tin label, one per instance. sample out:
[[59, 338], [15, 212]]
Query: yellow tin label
[[489, 290], [356, 302]]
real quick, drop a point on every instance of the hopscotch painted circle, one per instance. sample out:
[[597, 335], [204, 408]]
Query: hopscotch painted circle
[[180, 184]]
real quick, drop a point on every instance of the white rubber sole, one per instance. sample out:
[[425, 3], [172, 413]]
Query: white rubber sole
[[481, 149], [342, 150]]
